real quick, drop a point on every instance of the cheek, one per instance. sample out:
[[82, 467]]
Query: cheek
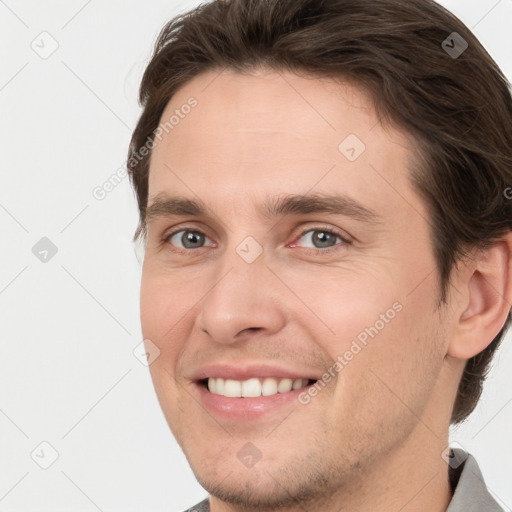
[[395, 371], [163, 320], [164, 305], [373, 326], [154, 303], [337, 304]]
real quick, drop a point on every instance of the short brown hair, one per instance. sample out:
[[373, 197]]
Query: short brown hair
[[458, 107]]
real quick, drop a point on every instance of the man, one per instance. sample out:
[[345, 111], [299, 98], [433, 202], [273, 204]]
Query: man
[[328, 249]]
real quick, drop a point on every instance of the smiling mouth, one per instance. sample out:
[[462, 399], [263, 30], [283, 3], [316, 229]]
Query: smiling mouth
[[254, 387]]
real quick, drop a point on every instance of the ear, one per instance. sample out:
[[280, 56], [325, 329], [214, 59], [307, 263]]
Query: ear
[[486, 286]]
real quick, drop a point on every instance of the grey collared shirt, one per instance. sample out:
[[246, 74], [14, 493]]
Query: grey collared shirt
[[470, 495]]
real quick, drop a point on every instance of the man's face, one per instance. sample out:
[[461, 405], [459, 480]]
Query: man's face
[[237, 294]]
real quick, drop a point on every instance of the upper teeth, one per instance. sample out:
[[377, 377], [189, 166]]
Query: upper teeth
[[253, 387]]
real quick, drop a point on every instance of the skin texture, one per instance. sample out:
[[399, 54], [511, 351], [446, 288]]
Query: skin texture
[[372, 438]]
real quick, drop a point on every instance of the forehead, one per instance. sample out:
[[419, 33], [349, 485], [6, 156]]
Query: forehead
[[250, 135]]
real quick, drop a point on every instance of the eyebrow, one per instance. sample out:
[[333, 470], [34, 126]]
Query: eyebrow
[[163, 205]]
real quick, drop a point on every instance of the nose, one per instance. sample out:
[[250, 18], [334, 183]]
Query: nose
[[242, 303]]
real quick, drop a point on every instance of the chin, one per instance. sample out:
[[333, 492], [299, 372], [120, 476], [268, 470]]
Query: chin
[[263, 489], [268, 484]]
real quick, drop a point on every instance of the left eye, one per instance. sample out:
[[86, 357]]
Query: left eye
[[190, 239], [321, 238]]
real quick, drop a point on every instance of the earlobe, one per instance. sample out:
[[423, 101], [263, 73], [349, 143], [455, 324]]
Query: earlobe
[[487, 300]]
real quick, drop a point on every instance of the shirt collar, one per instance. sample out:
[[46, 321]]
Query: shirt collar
[[470, 492]]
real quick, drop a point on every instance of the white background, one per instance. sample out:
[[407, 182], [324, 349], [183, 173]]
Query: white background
[[68, 326]]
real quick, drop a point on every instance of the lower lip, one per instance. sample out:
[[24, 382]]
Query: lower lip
[[246, 408]]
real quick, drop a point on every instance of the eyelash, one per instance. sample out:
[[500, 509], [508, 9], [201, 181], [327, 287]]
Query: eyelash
[[344, 241]]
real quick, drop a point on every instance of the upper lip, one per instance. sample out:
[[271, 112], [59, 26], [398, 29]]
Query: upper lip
[[245, 372]]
